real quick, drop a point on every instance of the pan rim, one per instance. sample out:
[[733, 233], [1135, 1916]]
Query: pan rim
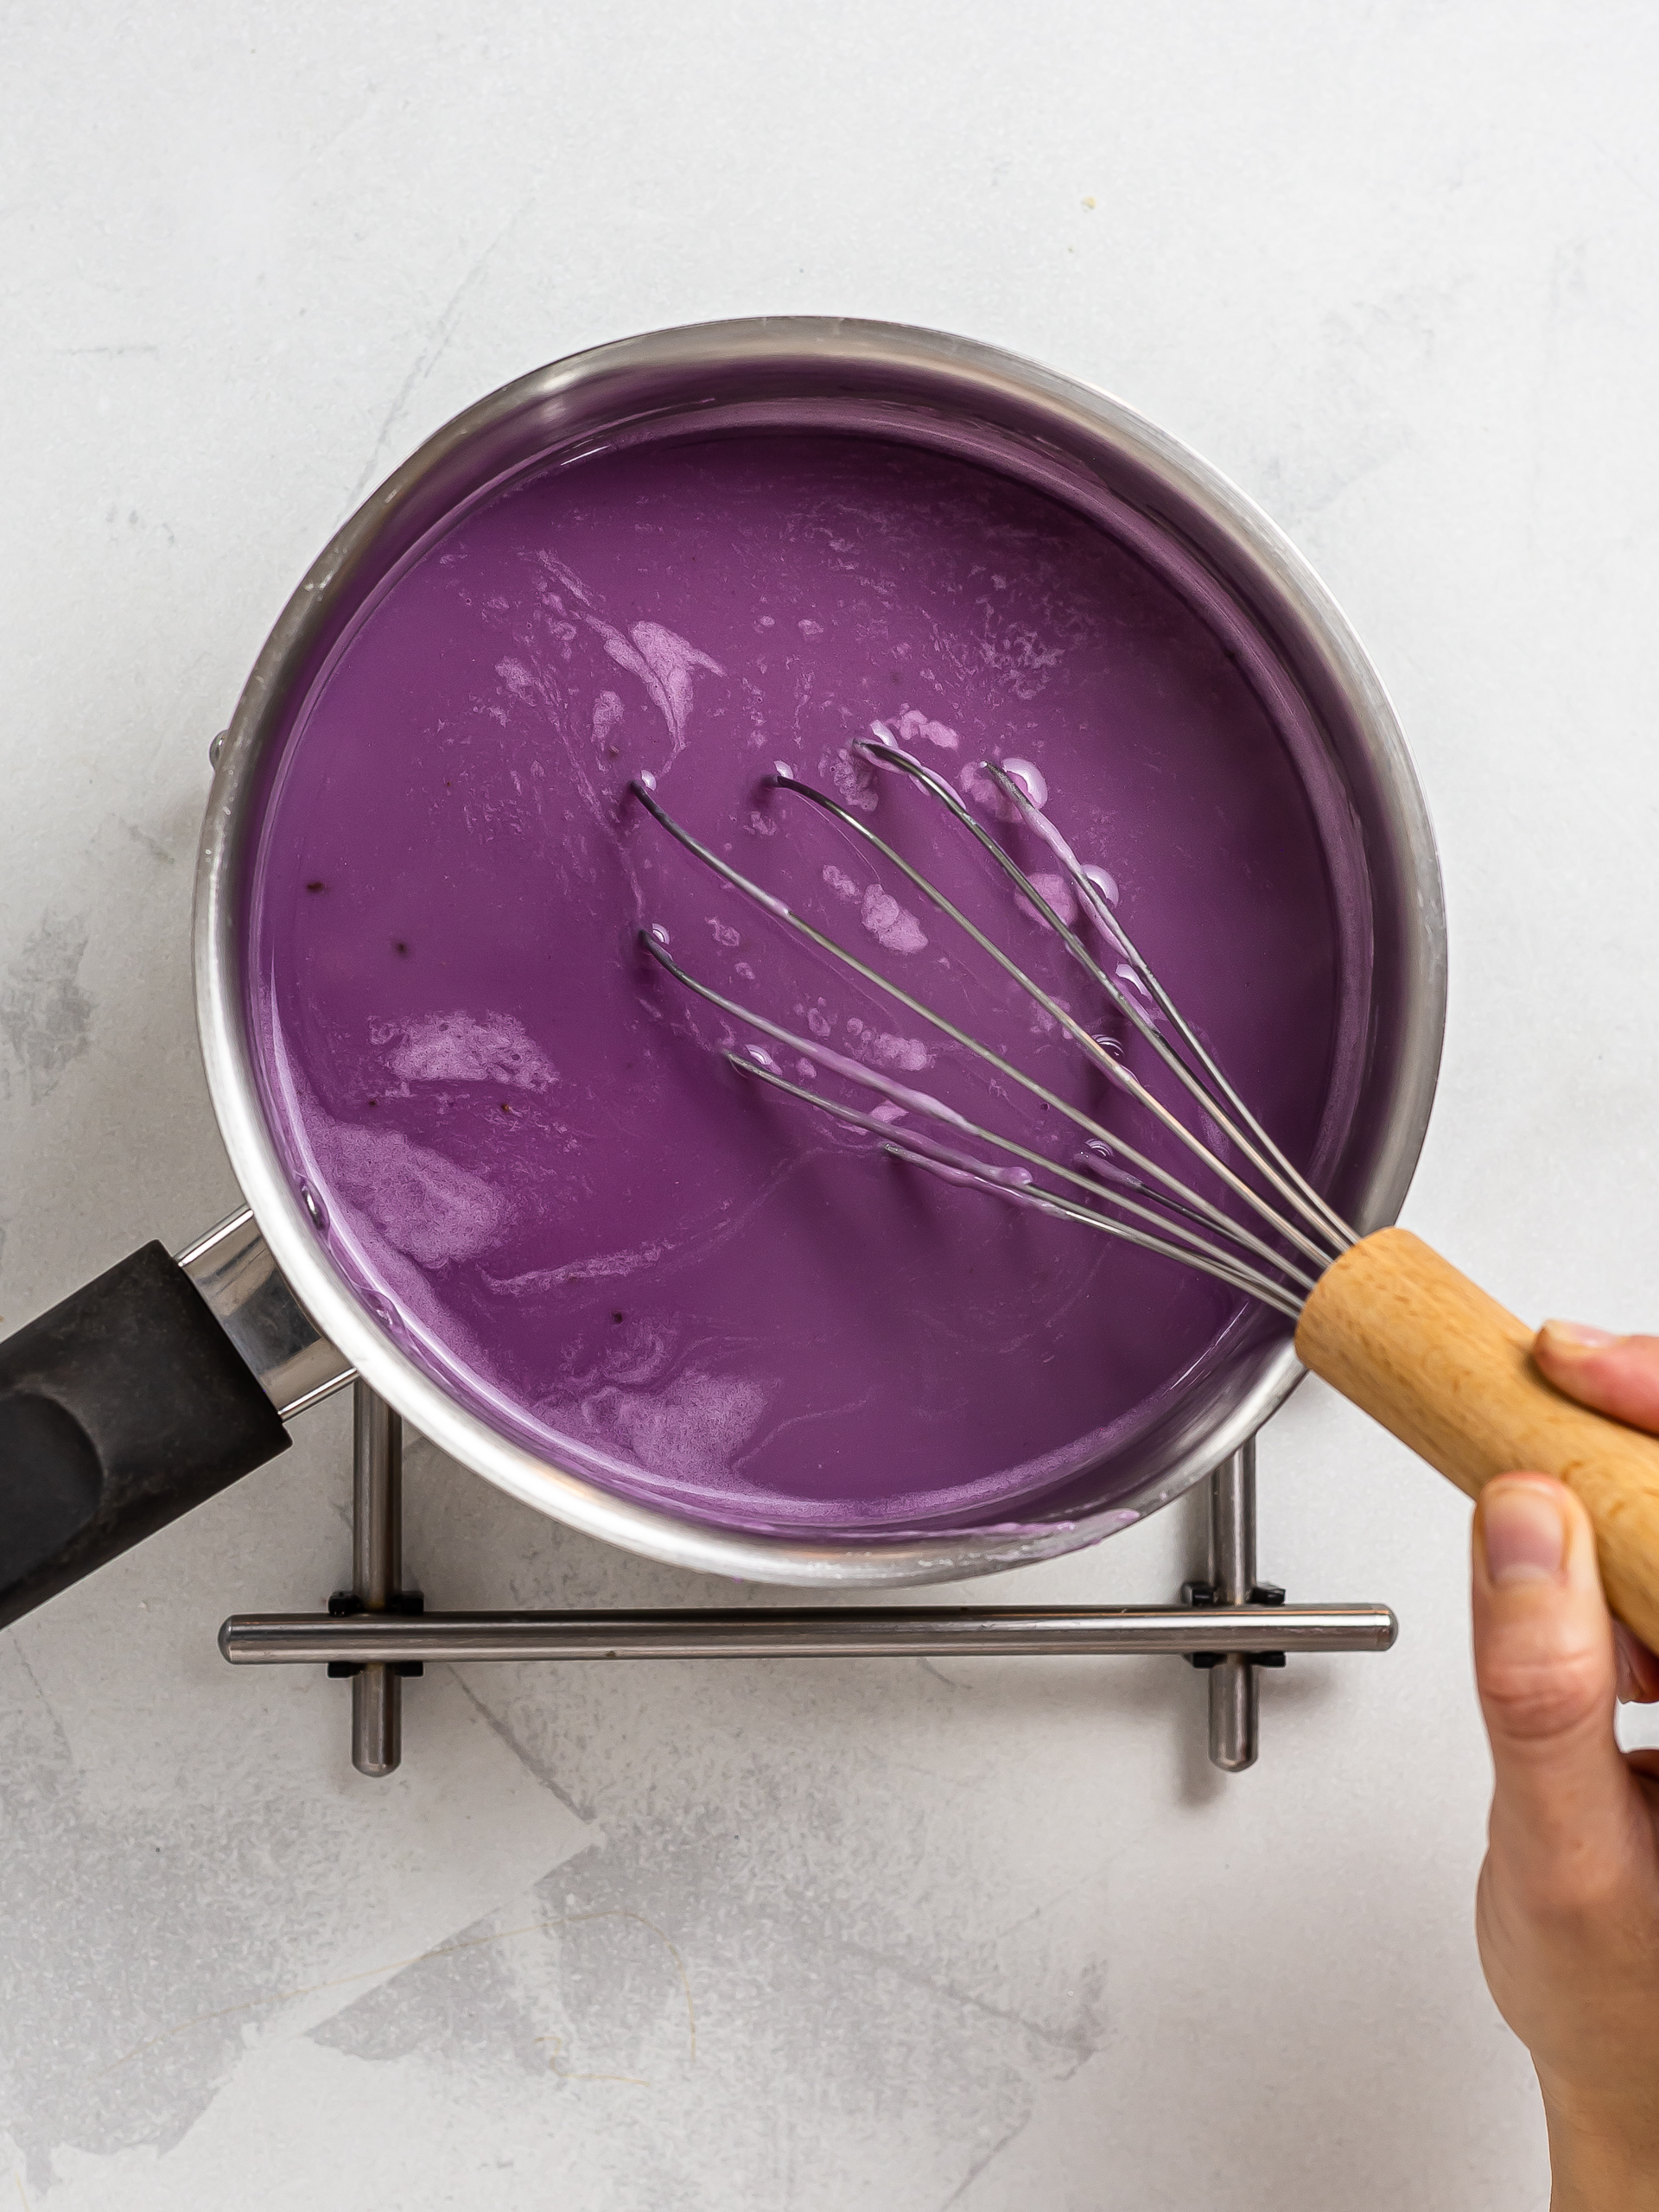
[[549, 403]]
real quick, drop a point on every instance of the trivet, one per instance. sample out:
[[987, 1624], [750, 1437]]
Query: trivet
[[379, 1633]]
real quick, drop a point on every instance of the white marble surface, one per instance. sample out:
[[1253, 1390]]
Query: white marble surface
[[987, 1937]]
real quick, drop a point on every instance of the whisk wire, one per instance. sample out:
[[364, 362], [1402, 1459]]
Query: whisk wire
[[1275, 1169], [1123, 1078], [1294, 1185], [1160, 1214], [921, 1151], [1212, 1214], [913, 1101]]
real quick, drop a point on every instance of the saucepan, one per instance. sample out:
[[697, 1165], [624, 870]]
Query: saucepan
[[173, 1374]]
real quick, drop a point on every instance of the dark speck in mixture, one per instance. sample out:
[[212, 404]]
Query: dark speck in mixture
[[316, 886], [374, 1102], [616, 1317], [505, 1108], [400, 948]]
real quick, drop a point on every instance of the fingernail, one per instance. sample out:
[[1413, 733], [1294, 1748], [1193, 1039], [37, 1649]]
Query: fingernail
[[1526, 1537], [1576, 1336]]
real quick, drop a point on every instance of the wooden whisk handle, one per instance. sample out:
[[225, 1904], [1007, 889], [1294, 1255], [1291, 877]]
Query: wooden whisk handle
[[1422, 1349]]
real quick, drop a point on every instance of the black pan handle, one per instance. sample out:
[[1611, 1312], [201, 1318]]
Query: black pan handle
[[119, 1409]]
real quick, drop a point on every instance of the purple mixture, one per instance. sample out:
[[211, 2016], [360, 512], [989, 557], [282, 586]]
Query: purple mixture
[[521, 1137]]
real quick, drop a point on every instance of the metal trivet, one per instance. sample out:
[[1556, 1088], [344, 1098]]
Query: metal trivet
[[378, 1632]]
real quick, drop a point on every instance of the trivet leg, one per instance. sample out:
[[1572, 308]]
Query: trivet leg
[[377, 1572], [1232, 1576]]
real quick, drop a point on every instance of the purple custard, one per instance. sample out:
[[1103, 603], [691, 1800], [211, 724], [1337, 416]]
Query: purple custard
[[525, 1141]]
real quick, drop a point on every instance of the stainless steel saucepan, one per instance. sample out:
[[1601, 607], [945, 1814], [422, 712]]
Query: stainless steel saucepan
[[167, 1378]]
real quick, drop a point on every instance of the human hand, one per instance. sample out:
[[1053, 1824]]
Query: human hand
[[1567, 1910]]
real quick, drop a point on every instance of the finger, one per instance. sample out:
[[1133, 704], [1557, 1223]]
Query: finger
[[1638, 1669], [1616, 1375], [1545, 1665]]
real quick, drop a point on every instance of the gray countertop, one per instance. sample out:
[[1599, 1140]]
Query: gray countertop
[[988, 1936]]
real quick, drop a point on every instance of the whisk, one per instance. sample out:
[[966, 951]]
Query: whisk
[[1382, 1318]]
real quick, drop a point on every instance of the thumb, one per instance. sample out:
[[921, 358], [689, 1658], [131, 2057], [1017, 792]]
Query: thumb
[[1545, 1667]]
